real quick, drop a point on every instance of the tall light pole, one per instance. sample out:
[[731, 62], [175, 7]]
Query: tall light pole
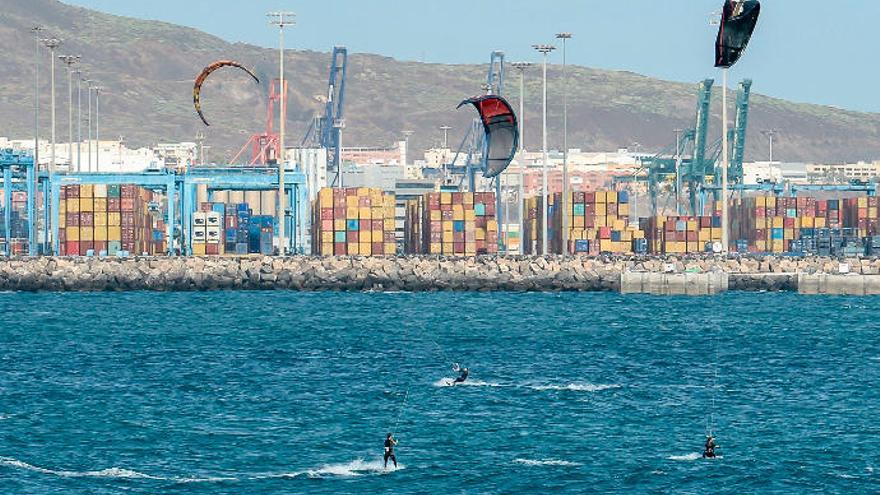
[[725, 164], [406, 136], [445, 129], [98, 90], [36, 30], [544, 49], [69, 61], [566, 203], [521, 67], [282, 20], [770, 133], [52, 44], [340, 124], [89, 120], [677, 171], [79, 134]]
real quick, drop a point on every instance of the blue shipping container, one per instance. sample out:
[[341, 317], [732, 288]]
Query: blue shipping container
[[243, 207], [615, 236], [581, 246], [778, 234], [623, 197], [353, 225], [458, 226], [480, 209], [579, 210], [339, 237]]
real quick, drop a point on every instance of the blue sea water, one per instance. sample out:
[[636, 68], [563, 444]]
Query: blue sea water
[[278, 393]]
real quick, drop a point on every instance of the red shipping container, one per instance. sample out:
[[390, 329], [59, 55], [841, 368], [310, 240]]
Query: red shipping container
[[579, 197], [378, 224], [351, 236], [326, 213], [72, 248], [100, 246], [113, 204], [458, 237], [378, 248], [490, 208], [692, 236], [212, 249], [326, 225], [126, 204], [72, 192], [788, 223], [589, 221], [590, 197], [128, 191], [391, 237], [129, 246], [339, 194], [84, 246], [604, 232], [364, 201], [127, 218], [339, 212], [350, 192], [339, 249], [458, 247]]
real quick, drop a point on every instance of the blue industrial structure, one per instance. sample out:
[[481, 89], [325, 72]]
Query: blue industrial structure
[[18, 167], [326, 131]]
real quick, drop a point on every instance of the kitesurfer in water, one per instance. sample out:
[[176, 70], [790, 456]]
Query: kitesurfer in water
[[463, 374], [390, 442], [709, 453]]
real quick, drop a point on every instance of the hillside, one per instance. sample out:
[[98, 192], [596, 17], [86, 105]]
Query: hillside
[[148, 68]]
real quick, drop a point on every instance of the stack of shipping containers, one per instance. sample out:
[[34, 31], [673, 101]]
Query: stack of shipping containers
[[95, 219], [452, 224], [231, 229], [18, 233], [353, 222]]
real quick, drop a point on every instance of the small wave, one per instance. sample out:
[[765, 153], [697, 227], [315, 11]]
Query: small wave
[[546, 462], [689, 457], [117, 473], [447, 382], [575, 387], [358, 467]]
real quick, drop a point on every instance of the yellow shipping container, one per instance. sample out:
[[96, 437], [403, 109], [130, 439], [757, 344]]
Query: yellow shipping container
[[863, 202], [468, 198], [327, 237], [471, 215], [436, 248], [821, 222], [691, 225], [62, 220], [480, 234], [100, 190], [353, 249], [611, 197], [100, 218], [778, 222], [389, 201], [363, 192], [618, 224], [325, 196], [365, 236], [778, 246], [601, 197], [390, 248], [436, 215], [72, 234], [72, 205], [339, 225], [351, 202], [808, 222], [447, 248], [600, 221], [86, 205], [639, 234], [606, 245], [327, 249], [365, 249], [492, 225], [457, 215], [448, 236], [577, 222], [771, 202], [365, 213], [100, 232], [704, 235], [378, 236], [100, 204], [86, 234], [351, 212], [788, 234], [761, 245], [761, 201], [86, 191], [445, 199], [198, 248], [114, 219], [601, 208], [623, 209], [389, 213], [872, 213]]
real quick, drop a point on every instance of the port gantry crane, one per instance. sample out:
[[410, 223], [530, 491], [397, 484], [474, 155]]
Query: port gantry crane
[[18, 167], [687, 164], [473, 144], [326, 131]]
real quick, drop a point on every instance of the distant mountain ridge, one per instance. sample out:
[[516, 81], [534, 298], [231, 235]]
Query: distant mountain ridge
[[148, 68]]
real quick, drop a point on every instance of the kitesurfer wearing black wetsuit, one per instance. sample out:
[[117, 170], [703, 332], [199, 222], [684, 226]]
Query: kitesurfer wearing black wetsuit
[[462, 377], [709, 453], [390, 442]]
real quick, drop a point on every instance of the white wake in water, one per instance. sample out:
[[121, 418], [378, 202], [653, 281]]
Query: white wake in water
[[546, 462], [576, 387], [117, 473], [447, 382], [689, 457], [358, 467]]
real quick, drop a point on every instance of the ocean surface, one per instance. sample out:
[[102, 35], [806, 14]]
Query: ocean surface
[[280, 393]]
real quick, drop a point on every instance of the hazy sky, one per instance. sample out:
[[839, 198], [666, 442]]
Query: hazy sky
[[803, 50]]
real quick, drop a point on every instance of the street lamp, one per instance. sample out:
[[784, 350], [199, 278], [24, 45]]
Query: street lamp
[[37, 30], [544, 50], [771, 134], [89, 119], [566, 203], [445, 129], [406, 136], [282, 20], [98, 90], [521, 67], [69, 61], [678, 153], [52, 44], [79, 137]]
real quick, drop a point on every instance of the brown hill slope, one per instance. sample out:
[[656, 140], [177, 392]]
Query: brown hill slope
[[148, 68]]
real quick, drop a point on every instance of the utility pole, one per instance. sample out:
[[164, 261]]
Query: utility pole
[[566, 203], [98, 90], [36, 30], [771, 134], [79, 134], [544, 49], [725, 164], [69, 60], [340, 124], [282, 20], [52, 44]]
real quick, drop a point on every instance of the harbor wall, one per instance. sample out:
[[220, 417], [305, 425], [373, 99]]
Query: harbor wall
[[660, 276]]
